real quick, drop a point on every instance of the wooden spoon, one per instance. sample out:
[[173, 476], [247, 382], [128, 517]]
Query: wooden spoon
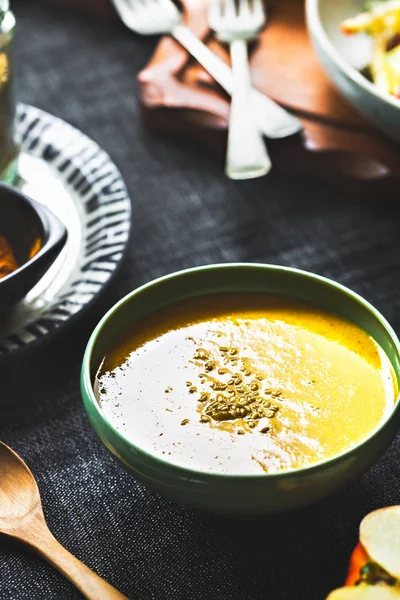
[[22, 518]]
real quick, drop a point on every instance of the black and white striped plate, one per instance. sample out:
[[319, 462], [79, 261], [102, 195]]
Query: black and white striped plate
[[65, 170]]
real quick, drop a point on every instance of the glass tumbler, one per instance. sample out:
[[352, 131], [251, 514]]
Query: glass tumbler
[[8, 147]]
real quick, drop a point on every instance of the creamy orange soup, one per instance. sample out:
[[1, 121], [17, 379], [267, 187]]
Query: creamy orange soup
[[245, 383]]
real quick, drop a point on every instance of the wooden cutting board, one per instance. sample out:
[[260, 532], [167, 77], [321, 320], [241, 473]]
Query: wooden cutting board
[[338, 144]]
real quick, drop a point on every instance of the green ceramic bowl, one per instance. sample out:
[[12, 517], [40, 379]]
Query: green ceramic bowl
[[239, 494]]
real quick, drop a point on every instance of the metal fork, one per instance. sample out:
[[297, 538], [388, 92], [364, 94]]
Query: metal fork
[[237, 22], [153, 17]]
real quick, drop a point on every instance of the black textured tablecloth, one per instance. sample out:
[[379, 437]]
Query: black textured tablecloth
[[185, 213]]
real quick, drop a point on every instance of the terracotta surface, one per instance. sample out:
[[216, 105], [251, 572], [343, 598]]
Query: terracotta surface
[[338, 144]]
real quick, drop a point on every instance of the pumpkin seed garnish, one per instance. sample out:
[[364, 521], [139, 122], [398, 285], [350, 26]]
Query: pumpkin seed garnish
[[218, 386], [234, 399], [202, 354], [205, 419]]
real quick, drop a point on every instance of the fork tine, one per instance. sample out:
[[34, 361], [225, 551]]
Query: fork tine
[[215, 9], [148, 17], [155, 8], [136, 7], [149, 4], [258, 8], [244, 8], [230, 8], [169, 6]]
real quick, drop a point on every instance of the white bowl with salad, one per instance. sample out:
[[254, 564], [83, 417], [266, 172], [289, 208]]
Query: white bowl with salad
[[358, 44]]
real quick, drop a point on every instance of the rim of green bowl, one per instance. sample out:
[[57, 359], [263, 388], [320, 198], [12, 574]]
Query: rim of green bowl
[[317, 29], [90, 402]]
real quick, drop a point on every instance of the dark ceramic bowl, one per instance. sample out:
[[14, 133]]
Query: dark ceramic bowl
[[229, 493], [24, 222]]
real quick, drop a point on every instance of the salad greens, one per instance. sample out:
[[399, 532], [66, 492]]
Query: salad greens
[[381, 21]]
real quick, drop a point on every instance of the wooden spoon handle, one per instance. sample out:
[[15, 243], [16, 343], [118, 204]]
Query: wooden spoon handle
[[88, 583]]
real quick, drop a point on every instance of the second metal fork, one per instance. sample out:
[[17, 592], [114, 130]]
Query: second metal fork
[[237, 22], [150, 17]]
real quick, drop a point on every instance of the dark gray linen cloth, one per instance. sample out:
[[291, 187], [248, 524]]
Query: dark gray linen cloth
[[185, 213]]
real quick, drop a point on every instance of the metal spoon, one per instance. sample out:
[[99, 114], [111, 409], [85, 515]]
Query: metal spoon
[[22, 518]]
